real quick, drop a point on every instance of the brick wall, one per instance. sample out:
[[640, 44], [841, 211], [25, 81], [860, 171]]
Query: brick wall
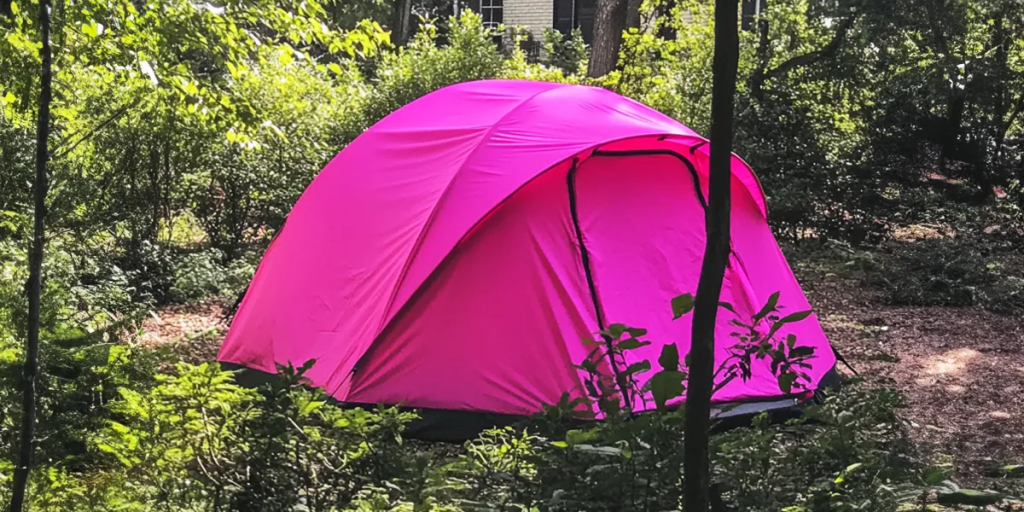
[[533, 14]]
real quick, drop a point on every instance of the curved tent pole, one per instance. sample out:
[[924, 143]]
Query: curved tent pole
[[585, 260]]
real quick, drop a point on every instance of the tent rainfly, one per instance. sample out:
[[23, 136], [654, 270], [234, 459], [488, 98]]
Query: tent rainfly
[[457, 255]]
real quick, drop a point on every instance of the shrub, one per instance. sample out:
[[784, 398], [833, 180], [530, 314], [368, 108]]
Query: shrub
[[203, 274]]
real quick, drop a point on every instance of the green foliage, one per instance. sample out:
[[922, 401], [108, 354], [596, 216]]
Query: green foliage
[[567, 53], [945, 273], [203, 274], [184, 132], [423, 67]]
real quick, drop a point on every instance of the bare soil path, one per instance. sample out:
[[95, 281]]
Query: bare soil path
[[961, 369]]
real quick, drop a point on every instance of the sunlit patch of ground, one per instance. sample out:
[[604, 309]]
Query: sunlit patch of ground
[[915, 232], [194, 330], [962, 369]]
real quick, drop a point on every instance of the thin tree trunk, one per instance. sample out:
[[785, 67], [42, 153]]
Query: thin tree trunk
[[34, 287], [609, 22], [401, 22], [696, 470], [633, 14]]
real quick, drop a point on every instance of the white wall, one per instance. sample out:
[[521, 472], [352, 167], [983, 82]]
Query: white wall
[[536, 15]]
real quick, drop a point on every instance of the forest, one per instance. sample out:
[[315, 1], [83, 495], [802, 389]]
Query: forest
[[888, 136]]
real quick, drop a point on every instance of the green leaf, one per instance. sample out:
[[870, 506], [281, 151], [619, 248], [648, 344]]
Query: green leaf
[[273, 127], [669, 358], [788, 319], [796, 352], [632, 344], [666, 386], [768, 307], [335, 68], [616, 330], [310, 407], [10, 98], [935, 475], [119, 428], [795, 317], [786, 382], [576, 436], [681, 305], [636, 332], [15, 9], [640, 367]]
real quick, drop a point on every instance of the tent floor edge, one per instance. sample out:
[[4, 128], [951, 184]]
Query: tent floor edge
[[459, 426]]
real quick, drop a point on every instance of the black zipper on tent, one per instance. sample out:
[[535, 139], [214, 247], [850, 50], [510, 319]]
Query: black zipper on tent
[[661, 152], [585, 260], [681, 158], [584, 254]]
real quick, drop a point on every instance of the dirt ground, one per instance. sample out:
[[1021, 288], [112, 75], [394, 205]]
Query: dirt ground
[[962, 370], [195, 331]]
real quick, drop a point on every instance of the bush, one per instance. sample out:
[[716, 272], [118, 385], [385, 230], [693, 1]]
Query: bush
[[565, 52], [204, 274], [953, 273]]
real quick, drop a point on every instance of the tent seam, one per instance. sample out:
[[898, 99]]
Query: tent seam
[[433, 212]]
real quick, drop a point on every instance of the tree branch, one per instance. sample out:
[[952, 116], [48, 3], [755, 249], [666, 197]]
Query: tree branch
[[807, 59], [1018, 109], [62, 152]]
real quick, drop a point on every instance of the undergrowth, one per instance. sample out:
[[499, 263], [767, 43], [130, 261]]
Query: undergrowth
[[117, 434]]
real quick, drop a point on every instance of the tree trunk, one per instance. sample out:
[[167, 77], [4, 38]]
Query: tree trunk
[[609, 22], [28, 421], [633, 14], [696, 470], [401, 22]]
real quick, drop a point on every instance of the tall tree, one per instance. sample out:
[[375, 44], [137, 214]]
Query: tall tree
[[696, 470], [401, 22], [609, 22], [633, 13], [34, 286]]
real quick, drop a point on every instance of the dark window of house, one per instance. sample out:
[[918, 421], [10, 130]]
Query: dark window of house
[[564, 13], [585, 18], [572, 14], [492, 11], [751, 9]]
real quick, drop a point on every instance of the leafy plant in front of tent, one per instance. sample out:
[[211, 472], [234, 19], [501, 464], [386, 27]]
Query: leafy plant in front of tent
[[616, 393], [759, 339]]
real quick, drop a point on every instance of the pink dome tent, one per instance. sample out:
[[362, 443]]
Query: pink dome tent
[[456, 255]]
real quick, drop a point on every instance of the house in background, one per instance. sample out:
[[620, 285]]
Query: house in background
[[561, 15], [537, 15]]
